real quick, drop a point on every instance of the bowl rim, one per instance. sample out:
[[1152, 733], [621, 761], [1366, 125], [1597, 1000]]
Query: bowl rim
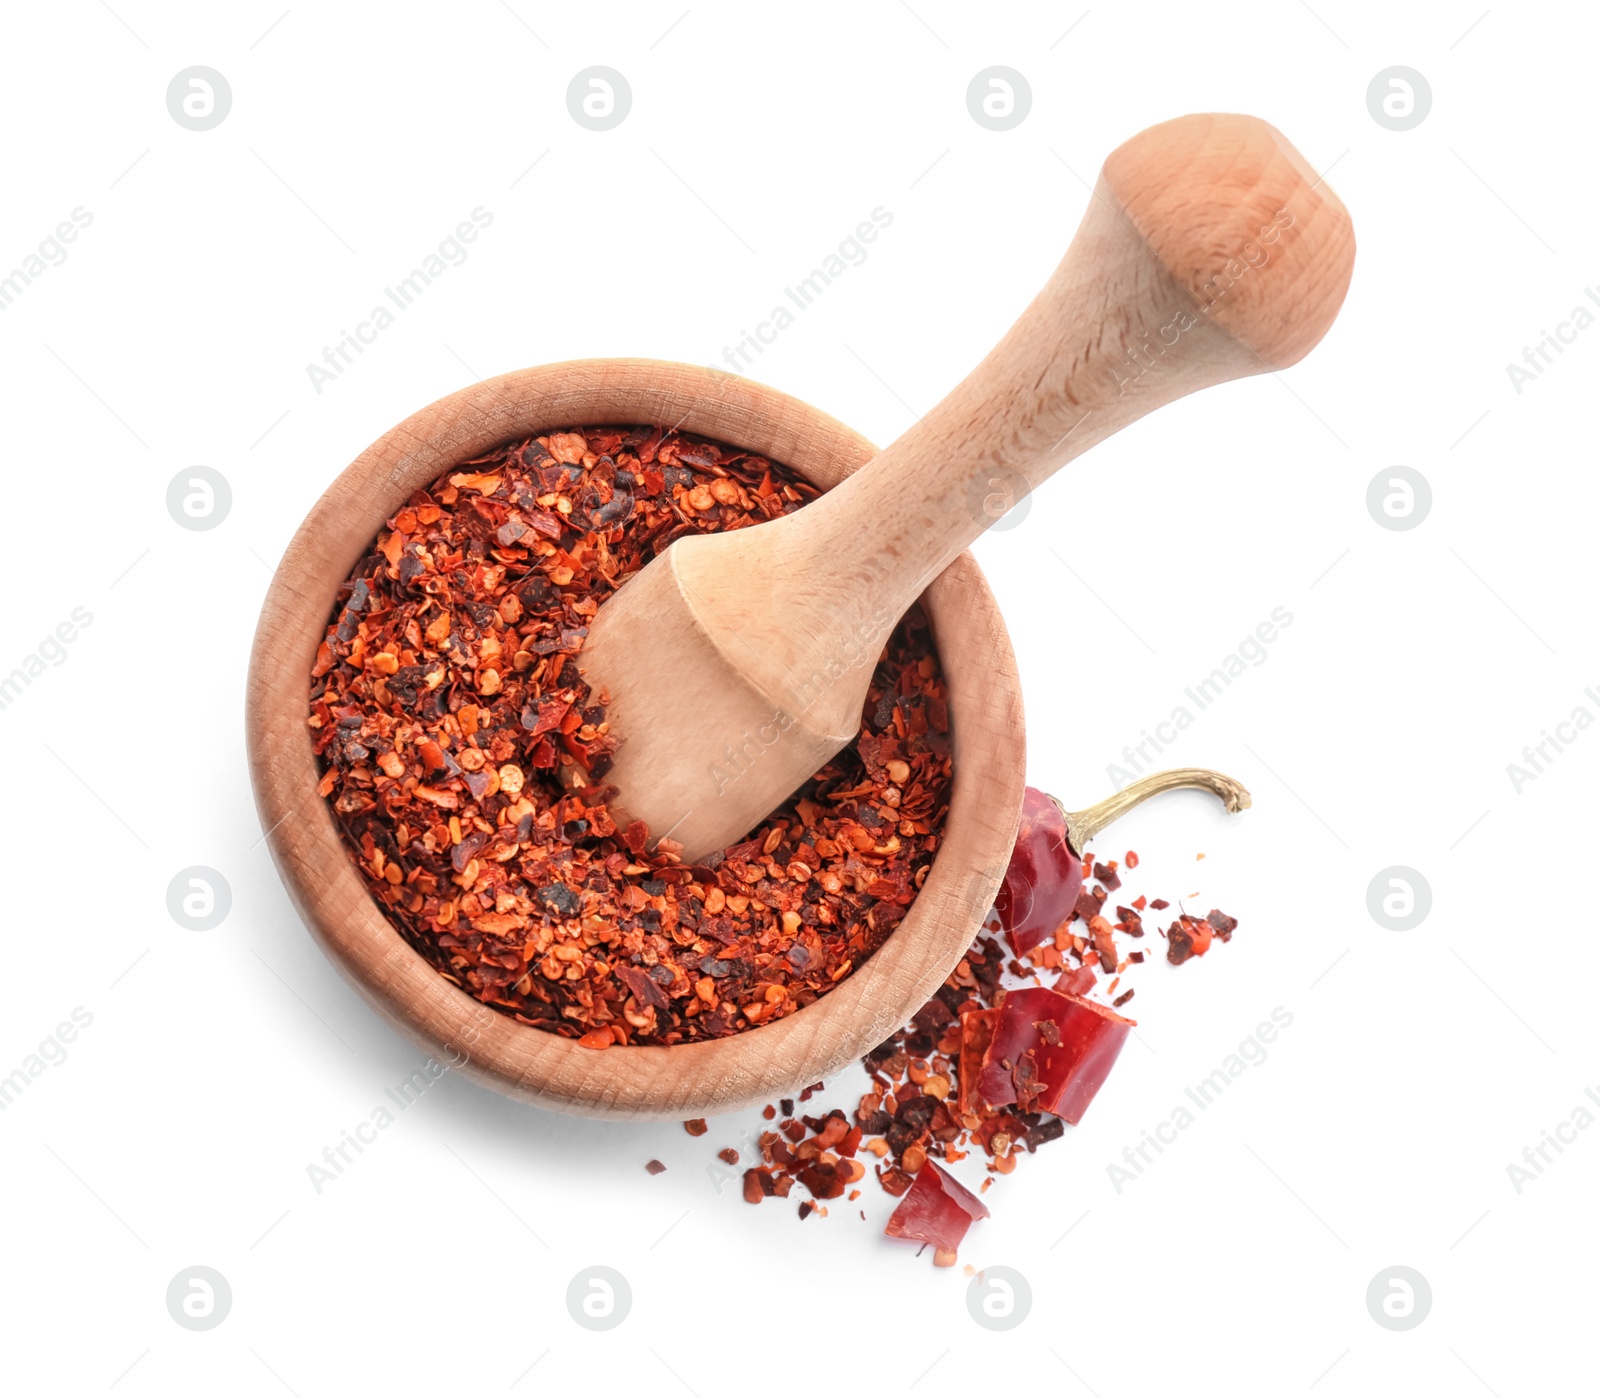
[[686, 1080]]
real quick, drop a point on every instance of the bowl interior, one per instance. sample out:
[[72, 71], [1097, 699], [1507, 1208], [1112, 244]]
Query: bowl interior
[[685, 1080]]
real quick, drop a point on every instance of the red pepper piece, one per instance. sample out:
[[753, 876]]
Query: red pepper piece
[[1188, 937], [1050, 1053], [548, 716], [935, 1210], [1078, 982], [1042, 881], [977, 1030]]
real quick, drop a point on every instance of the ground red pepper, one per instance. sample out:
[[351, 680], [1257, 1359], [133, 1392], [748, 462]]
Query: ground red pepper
[[465, 757]]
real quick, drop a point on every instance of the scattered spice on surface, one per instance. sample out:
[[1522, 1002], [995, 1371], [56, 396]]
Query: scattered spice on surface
[[465, 757], [655, 1167], [998, 1063]]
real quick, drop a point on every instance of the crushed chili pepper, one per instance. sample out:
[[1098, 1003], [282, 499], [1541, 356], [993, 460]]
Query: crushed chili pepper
[[465, 756], [1222, 923], [992, 1031], [1190, 936]]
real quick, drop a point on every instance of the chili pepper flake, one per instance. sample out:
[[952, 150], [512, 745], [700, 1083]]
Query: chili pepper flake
[[1188, 937], [465, 757], [1222, 923]]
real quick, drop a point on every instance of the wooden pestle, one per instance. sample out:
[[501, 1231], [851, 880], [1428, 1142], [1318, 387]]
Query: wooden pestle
[[737, 663]]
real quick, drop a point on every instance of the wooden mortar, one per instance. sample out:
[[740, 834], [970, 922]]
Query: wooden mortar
[[687, 1080]]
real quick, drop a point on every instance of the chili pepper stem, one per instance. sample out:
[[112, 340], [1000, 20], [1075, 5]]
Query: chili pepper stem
[[1084, 825]]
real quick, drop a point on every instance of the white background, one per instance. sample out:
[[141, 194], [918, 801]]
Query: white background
[[1419, 1064]]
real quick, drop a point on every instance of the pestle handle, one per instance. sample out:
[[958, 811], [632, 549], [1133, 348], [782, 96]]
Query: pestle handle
[[1210, 251]]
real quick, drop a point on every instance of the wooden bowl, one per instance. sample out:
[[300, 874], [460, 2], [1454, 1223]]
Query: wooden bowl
[[686, 1080]]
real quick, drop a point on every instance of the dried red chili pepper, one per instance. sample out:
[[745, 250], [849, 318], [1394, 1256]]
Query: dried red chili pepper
[[1044, 879]]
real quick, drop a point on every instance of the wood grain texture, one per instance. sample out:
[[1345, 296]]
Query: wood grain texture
[[1210, 251], [687, 1080]]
